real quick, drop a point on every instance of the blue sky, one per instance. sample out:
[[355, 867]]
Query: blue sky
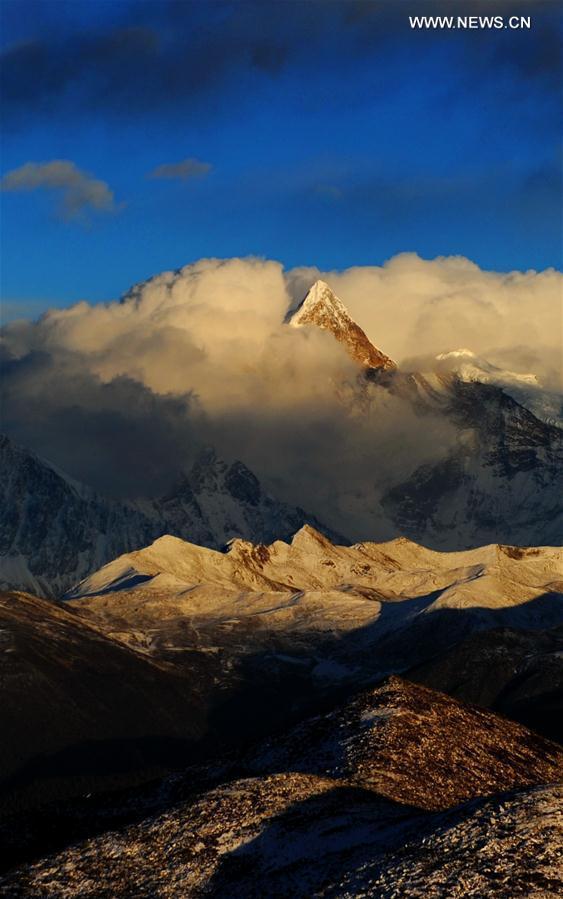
[[333, 136]]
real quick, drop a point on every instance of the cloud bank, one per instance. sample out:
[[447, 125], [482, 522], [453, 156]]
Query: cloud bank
[[124, 394], [80, 191]]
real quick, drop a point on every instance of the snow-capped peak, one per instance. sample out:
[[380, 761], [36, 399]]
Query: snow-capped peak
[[319, 298], [471, 367], [456, 354], [321, 307]]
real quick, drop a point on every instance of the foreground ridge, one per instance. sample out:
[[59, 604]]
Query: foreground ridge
[[341, 807]]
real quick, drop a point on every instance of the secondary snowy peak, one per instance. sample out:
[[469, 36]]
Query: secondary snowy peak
[[525, 388], [321, 307], [471, 367]]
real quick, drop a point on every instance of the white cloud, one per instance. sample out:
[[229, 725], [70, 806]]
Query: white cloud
[[80, 191], [277, 397], [413, 307]]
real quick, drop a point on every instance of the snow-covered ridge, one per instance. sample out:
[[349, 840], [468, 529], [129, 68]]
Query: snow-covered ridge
[[471, 367], [484, 577]]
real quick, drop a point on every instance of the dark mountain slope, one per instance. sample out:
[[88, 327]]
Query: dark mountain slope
[[356, 827]]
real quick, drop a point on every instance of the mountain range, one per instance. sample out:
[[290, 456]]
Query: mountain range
[[175, 652], [54, 530], [500, 481]]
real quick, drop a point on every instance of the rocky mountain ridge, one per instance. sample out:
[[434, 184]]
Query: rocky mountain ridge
[[303, 619]]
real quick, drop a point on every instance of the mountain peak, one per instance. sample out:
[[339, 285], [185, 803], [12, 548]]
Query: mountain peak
[[322, 308], [318, 300], [307, 536]]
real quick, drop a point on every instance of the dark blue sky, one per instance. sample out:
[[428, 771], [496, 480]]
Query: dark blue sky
[[335, 136]]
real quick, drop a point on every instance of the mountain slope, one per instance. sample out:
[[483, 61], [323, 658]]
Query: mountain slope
[[501, 482], [54, 531], [280, 626], [524, 388], [363, 824], [518, 673], [503, 478], [304, 836], [82, 711], [414, 746]]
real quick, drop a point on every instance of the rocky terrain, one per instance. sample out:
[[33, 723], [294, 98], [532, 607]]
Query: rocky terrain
[[343, 807], [177, 654], [304, 597], [414, 746], [268, 632]]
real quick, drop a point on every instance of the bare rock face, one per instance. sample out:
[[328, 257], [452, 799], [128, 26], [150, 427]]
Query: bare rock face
[[322, 308], [361, 802]]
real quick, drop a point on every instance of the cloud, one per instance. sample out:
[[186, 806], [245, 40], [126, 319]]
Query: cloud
[[200, 356], [161, 56], [114, 435], [80, 192], [187, 168], [412, 306]]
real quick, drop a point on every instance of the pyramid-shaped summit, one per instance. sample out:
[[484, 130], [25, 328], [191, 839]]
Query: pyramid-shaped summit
[[321, 307]]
